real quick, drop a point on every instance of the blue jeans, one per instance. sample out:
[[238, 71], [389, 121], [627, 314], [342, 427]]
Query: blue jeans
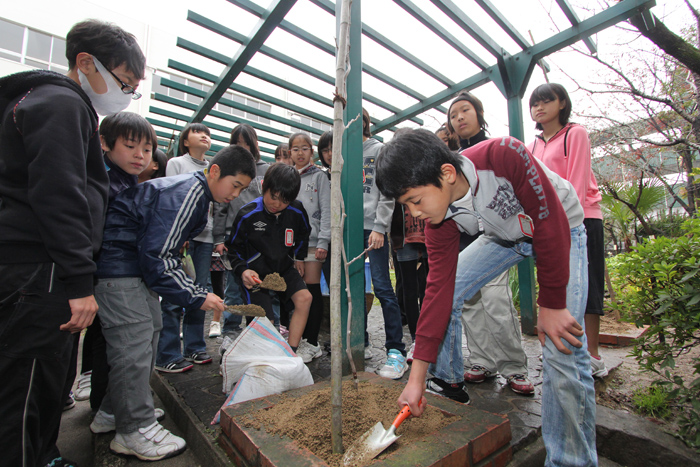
[[568, 396], [381, 281], [232, 297], [193, 320]]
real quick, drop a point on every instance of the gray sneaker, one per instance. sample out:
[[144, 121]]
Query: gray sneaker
[[104, 422], [598, 368], [308, 352], [150, 443]]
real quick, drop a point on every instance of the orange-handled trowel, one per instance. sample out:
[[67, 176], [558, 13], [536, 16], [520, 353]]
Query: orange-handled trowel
[[374, 441]]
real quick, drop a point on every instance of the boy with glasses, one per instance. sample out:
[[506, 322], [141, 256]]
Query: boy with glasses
[[53, 197]]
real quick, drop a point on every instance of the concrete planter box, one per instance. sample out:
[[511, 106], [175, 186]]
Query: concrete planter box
[[476, 438]]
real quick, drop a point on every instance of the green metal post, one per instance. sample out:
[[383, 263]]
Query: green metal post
[[526, 268], [352, 193]]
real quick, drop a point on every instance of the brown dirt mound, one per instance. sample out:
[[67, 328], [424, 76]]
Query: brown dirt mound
[[307, 419], [246, 310], [274, 282]]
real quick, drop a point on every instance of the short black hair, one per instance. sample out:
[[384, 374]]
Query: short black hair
[[549, 92], [412, 159], [280, 150], [234, 160], [475, 102], [325, 141], [162, 160], [283, 180], [109, 43], [128, 125], [249, 136], [452, 139], [366, 123], [197, 128]]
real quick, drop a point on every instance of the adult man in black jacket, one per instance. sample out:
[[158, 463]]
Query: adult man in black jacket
[[53, 196]]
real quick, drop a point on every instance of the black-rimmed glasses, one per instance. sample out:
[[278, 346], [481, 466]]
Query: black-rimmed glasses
[[127, 88]]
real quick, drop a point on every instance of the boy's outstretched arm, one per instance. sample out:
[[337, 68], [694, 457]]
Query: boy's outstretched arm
[[558, 325]]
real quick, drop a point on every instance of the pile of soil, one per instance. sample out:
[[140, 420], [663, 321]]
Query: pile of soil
[[246, 310], [274, 282], [307, 419]]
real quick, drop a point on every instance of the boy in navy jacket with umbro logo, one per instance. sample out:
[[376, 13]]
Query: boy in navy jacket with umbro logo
[[271, 234]]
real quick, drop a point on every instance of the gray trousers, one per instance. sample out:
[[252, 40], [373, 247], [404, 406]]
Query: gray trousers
[[131, 322], [493, 331]]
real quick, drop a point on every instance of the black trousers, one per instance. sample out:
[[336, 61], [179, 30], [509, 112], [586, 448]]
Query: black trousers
[[34, 361]]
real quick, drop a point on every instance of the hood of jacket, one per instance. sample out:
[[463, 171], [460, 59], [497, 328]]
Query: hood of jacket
[[13, 85]]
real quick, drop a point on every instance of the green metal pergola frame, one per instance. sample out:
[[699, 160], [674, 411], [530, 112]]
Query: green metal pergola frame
[[510, 73]]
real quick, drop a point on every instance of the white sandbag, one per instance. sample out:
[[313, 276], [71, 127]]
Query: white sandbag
[[261, 363]]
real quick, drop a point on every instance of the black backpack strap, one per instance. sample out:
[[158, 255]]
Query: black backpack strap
[[566, 150]]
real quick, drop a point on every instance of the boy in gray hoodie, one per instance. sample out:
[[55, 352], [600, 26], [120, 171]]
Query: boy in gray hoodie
[[378, 210]]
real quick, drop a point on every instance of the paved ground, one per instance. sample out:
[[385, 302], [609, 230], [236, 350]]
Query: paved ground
[[191, 400]]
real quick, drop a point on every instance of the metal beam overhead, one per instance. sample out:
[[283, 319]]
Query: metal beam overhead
[[264, 28], [396, 49], [213, 126], [441, 32], [606, 18], [508, 28], [575, 21], [460, 18], [472, 82], [272, 53], [309, 38], [237, 105]]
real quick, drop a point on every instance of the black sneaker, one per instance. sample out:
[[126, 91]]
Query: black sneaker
[[456, 392], [70, 402], [199, 358], [175, 367]]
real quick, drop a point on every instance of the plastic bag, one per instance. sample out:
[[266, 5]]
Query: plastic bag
[[260, 363], [188, 264]]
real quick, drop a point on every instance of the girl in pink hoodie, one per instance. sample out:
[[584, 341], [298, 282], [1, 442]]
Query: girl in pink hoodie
[[564, 147]]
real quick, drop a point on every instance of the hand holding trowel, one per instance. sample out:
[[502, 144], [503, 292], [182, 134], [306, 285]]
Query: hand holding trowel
[[374, 441]]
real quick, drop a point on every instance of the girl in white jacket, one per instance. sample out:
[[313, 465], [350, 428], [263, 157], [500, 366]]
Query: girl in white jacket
[[315, 195]]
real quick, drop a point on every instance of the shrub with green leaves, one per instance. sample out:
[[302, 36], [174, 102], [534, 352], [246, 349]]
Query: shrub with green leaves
[[652, 401], [658, 284]]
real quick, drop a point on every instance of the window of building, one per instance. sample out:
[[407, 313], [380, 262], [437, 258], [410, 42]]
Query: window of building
[[159, 88], [32, 47], [308, 122]]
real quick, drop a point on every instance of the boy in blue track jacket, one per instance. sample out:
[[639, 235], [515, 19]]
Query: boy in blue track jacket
[[271, 234], [145, 228]]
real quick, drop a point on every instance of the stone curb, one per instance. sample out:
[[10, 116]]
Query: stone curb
[[629, 439], [203, 443], [622, 439]]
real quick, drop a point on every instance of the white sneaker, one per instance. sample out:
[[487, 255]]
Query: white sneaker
[[151, 443], [215, 329], [598, 369], [104, 422], [395, 365], [308, 352], [368, 353], [409, 354], [82, 392]]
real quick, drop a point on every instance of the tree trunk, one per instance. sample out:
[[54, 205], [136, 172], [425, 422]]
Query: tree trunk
[[669, 42], [336, 228]]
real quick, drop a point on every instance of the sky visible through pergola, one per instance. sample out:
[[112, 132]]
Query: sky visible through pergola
[[397, 23]]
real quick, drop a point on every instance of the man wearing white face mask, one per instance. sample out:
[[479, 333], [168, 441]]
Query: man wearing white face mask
[[53, 198]]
